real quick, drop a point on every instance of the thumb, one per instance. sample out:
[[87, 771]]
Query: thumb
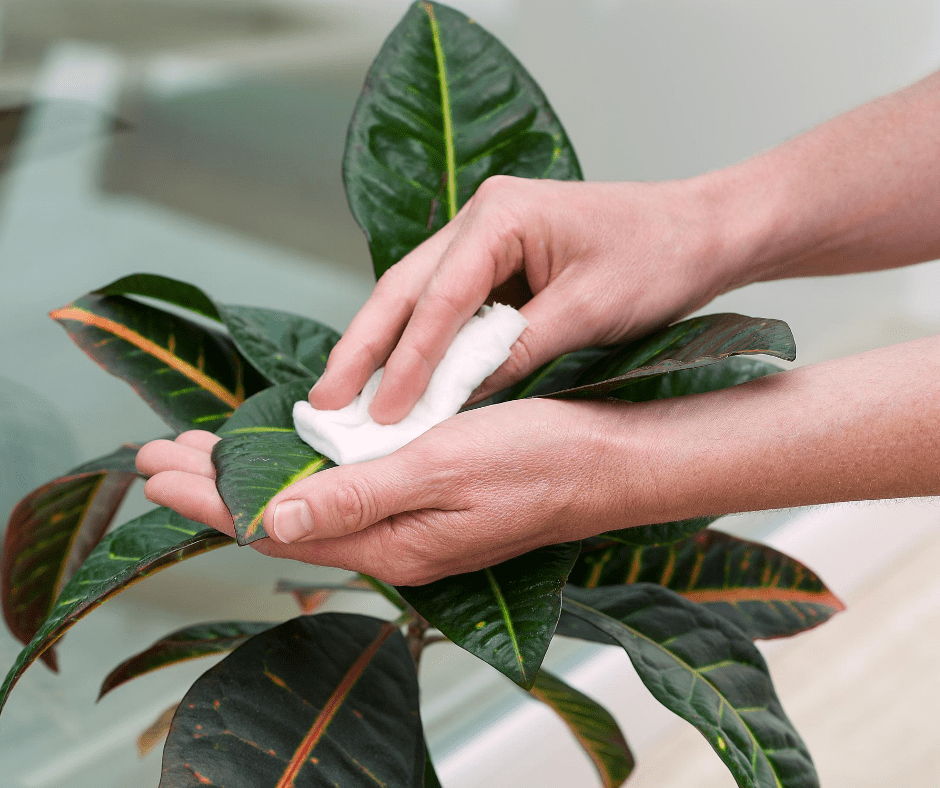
[[345, 499]]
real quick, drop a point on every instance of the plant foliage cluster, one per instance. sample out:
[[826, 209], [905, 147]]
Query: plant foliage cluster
[[333, 698]]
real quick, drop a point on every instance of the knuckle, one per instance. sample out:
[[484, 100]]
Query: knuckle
[[352, 505]]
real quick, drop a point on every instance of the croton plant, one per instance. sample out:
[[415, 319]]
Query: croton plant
[[332, 698]]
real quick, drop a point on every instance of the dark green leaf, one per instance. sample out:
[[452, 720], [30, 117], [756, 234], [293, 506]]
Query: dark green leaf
[[445, 106], [260, 454], [192, 376], [200, 640], [557, 375], [706, 670], [592, 725], [130, 553], [320, 700], [660, 533], [692, 343], [505, 615], [163, 288], [51, 532], [431, 780], [282, 347], [765, 593], [729, 372]]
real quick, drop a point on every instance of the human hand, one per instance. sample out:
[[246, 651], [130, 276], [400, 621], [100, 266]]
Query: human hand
[[589, 263], [477, 489]]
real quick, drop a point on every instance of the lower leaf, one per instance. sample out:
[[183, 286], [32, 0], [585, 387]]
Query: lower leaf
[[321, 700], [704, 669]]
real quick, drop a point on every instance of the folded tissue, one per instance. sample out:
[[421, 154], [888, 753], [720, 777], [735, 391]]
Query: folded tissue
[[350, 435]]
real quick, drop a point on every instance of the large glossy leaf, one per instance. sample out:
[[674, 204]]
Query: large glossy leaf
[[765, 593], [692, 343], [660, 533], [282, 347], [51, 531], [321, 700], [702, 667], [191, 375], [128, 554], [592, 725], [505, 615], [260, 454], [200, 640], [445, 105]]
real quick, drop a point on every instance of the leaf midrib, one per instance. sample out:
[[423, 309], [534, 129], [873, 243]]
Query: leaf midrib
[[445, 114]]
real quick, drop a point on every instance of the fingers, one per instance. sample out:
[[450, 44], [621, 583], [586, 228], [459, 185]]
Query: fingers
[[190, 453], [347, 499], [193, 496], [375, 330]]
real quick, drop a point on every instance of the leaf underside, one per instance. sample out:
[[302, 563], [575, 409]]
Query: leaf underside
[[505, 615], [445, 105], [706, 670], [51, 531], [135, 550], [352, 720]]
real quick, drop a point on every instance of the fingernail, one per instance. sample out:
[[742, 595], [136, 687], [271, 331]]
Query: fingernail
[[292, 521]]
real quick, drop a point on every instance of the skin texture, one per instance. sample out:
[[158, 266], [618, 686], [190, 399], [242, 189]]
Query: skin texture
[[597, 263]]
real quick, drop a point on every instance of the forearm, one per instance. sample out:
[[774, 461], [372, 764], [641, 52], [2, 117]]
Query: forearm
[[857, 193], [860, 428]]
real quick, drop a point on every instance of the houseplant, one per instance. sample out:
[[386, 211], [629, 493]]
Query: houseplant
[[444, 107]]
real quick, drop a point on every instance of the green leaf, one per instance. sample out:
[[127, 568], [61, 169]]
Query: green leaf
[[557, 375], [130, 553], [260, 454], [445, 106], [692, 343], [192, 376], [51, 531], [660, 533], [200, 640], [706, 670], [321, 700], [505, 615], [729, 372], [431, 780], [283, 347], [763, 592], [592, 725], [163, 288]]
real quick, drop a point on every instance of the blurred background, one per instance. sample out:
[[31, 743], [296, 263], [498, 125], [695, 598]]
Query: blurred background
[[225, 171]]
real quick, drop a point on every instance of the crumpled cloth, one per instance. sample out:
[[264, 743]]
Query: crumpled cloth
[[350, 435]]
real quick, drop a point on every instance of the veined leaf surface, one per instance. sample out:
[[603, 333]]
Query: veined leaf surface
[[191, 375], [445, 106], [51, 531], [321, 700], [135, 550], [283, 347], [592, 725], [692, 343], [260, 454], [163, 288], [200, 640], [762, 591], [505, 615], [706, 670]]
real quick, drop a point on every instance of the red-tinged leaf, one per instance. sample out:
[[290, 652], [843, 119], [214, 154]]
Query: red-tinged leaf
[[125, 556], [765, 593], [155, 732], [311, 597], [191, 375], [200, 640], [592, 725], [321, 700], [51, 532]]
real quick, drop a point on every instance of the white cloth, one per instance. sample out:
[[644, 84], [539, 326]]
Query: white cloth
[[350, 435]]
